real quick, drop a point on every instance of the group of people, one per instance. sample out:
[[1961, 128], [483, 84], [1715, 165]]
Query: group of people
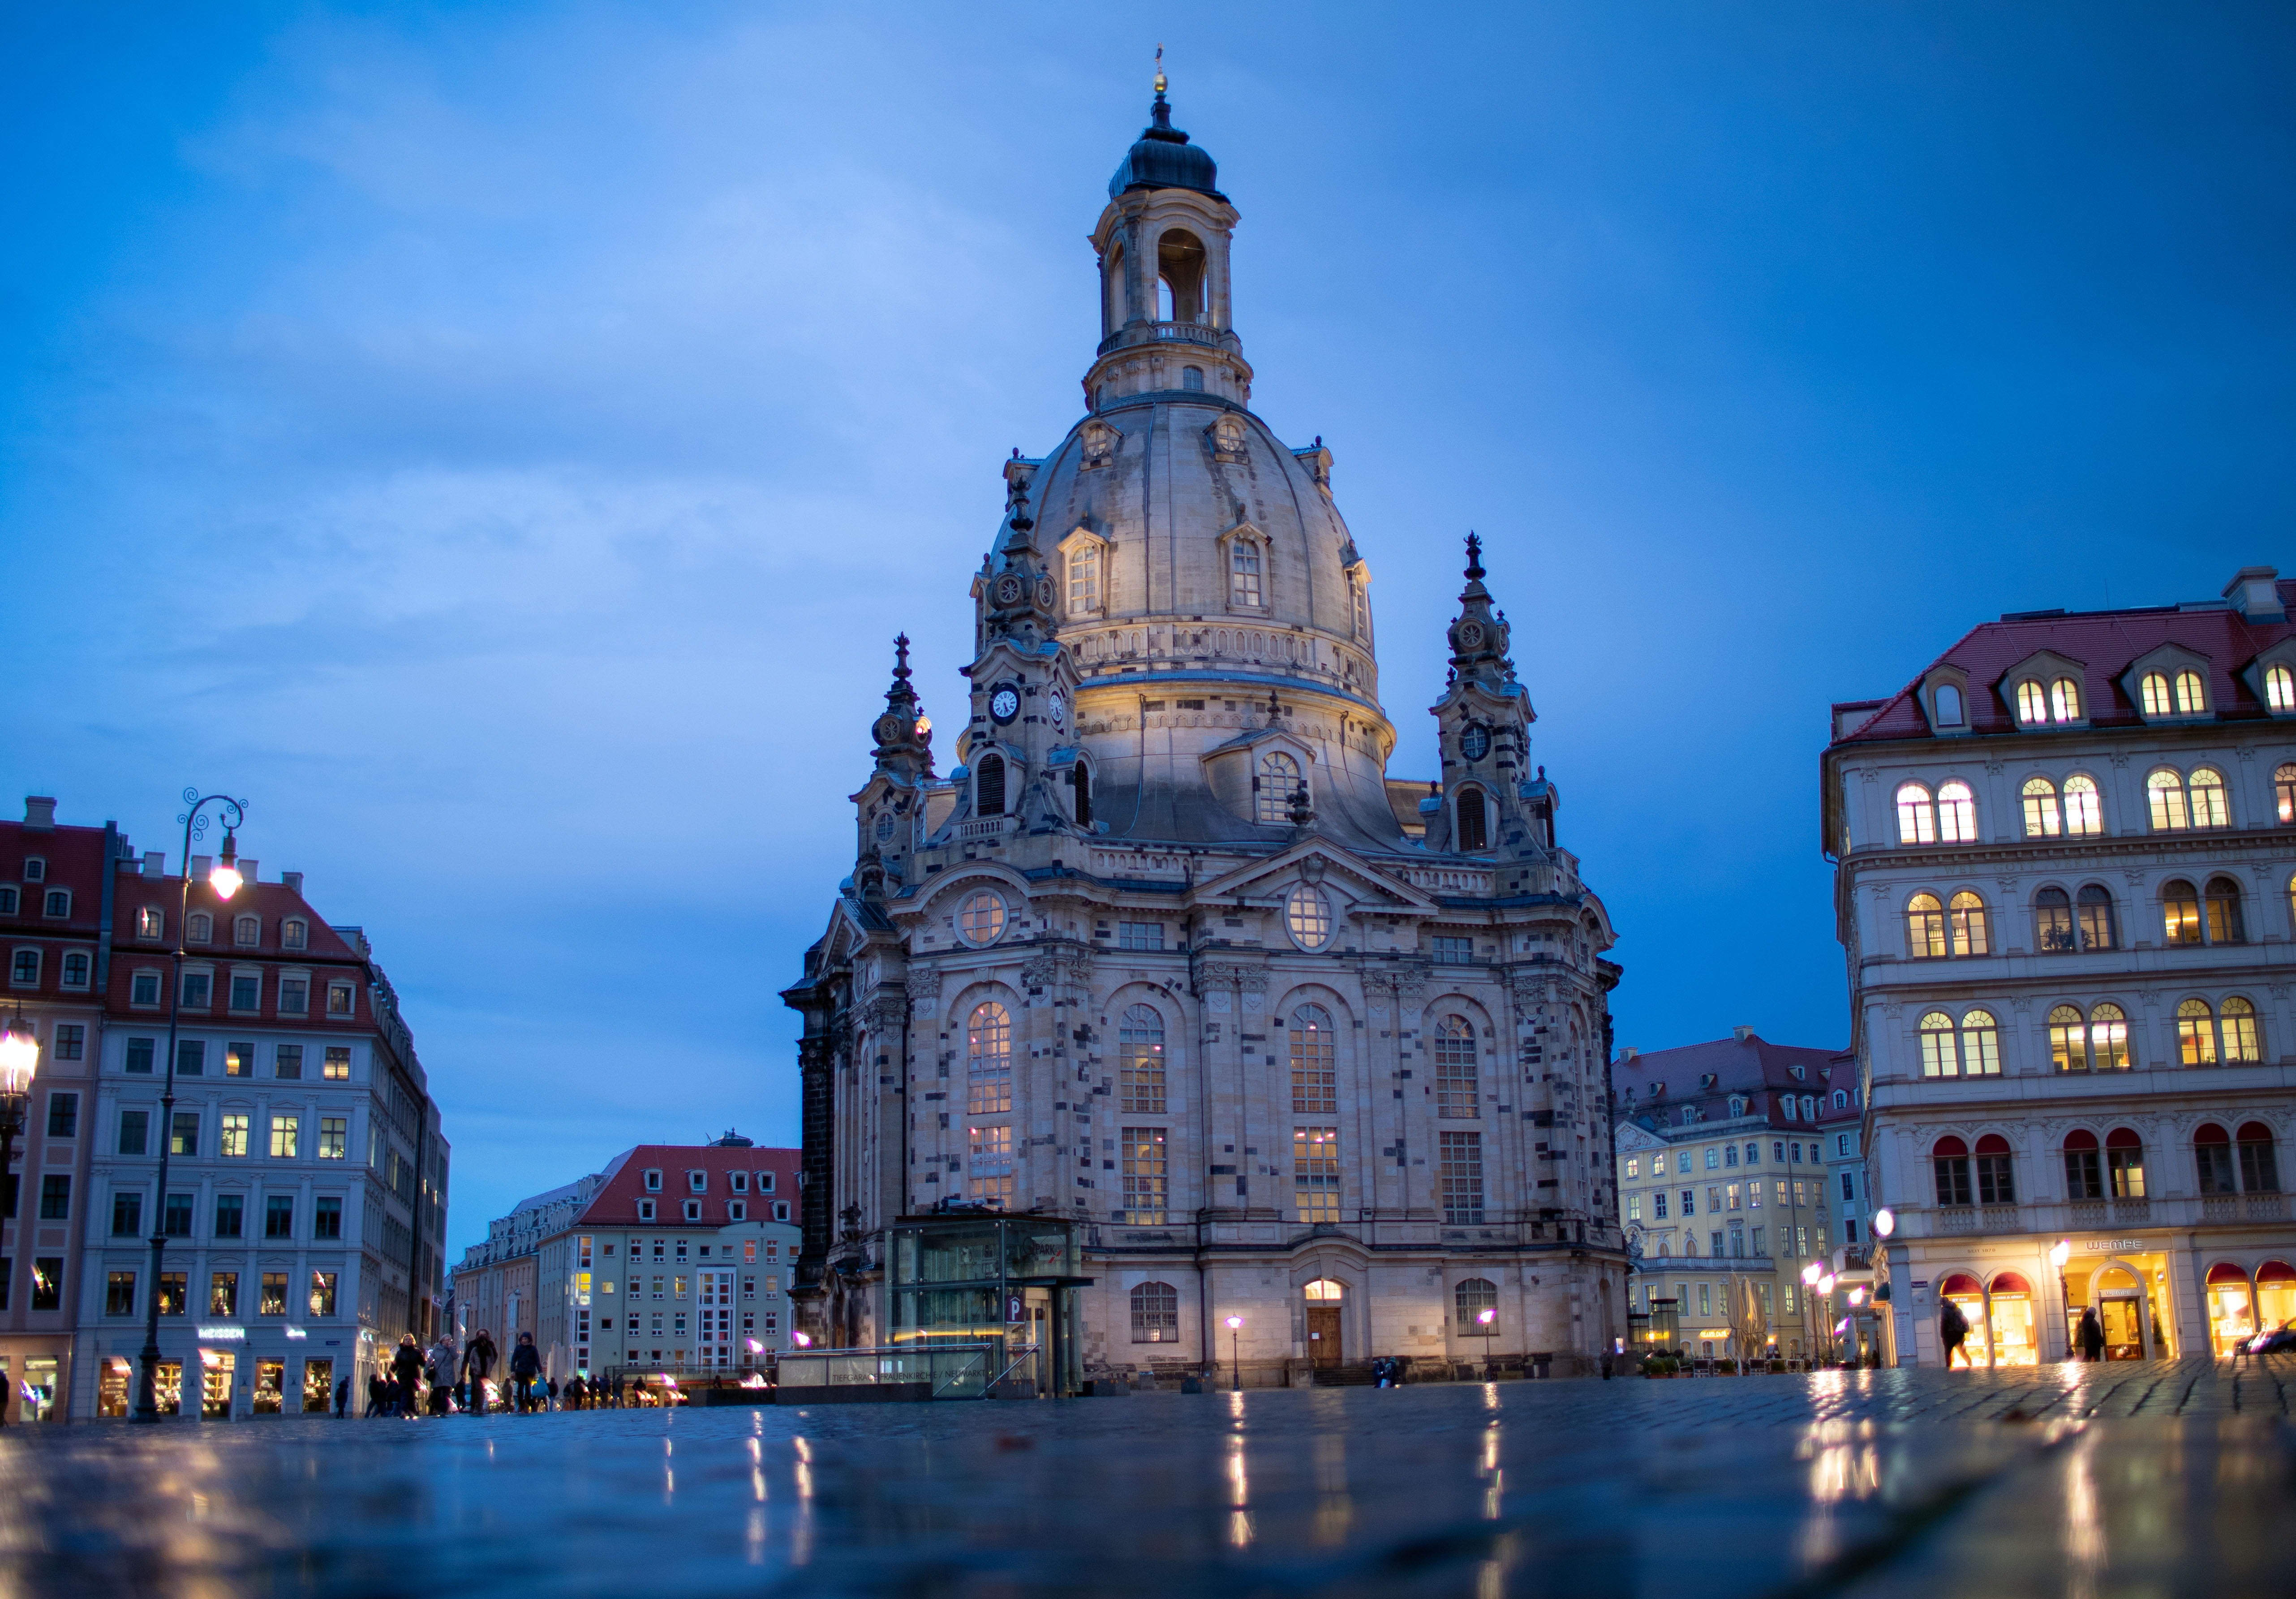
[[412, 1383], [1952, 1334]]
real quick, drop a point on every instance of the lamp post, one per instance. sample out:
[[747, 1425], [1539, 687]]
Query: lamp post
[[2059, 1253], [1811, 1324], [225, 881], [1235, 1353], [20, 1058]]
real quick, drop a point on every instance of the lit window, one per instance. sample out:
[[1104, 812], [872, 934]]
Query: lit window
[[2242, 1042], [2107, 1037], [2207, 799], [2032, 704], [1140, 1057], [1916, 817], [2165, 792], [1956, 811], [989, 1178], [1155, 1313], [1456, 1087], [1145, 1175], [2180, 913], [2041, 818], [1083, 578], [233, 1142], [2279, 688], [2064, 701], [2196, 1033], [2053, 921], [1925, 928], [2192, 698], [1968, 921], [1315, 1173], [2152, 693], [1315, 1071], [2124, 1163], [150, 922], [1308, 915], [1936, 1034], [339, 999], [283, 1136], [1243, 573], [2068, 1039], [335, 1138], [989, 1060], [338, 1067], [1980, 1045], [981, 919], [2083, 813], [1277, 783]]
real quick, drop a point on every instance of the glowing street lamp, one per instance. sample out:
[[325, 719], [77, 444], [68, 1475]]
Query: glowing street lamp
[[801, 1340], [1235, 1351], [1487, 1316], [225, 881], [20, 1058]]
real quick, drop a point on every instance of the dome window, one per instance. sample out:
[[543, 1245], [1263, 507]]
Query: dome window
[[1273, 789], [1308, 915], [1474, 820], [1191, 379], [989, 787], [980, 920], [1227, 439]]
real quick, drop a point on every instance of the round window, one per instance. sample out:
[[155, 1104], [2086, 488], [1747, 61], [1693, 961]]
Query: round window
[[884, 828], [1308, 915], [980, 920]]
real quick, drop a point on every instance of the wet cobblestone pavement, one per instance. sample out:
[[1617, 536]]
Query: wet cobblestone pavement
[[2094, 1481]]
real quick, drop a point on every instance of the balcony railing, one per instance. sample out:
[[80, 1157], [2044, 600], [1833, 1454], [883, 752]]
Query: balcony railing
[[1169, 333], [2244, 1207]]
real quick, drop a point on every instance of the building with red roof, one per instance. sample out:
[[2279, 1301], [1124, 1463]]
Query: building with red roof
[[2065, 860]]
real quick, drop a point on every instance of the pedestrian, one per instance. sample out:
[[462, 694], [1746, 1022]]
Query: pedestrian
[[552, 1387], [2092, 1336], [407, 1367], [378, 1391], [343, 1397], [478, 1360], [525, 1366], [1953, 1330]]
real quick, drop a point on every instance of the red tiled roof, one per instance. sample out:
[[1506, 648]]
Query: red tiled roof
[[2105, 642], [617, 1203], [1754, 1066]]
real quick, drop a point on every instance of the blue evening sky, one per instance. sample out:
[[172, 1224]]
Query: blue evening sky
[[500, 440]]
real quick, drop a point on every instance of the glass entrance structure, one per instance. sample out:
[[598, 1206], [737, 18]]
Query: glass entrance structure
[[1006, 1284]]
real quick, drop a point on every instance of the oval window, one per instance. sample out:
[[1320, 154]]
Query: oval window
[[981, 919], [1308, 915]]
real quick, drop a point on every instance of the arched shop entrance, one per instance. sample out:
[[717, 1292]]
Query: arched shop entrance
[[2276, 1294], [2124, 1306], [2011, 1321], [1968, 1294], [2232, 1308]]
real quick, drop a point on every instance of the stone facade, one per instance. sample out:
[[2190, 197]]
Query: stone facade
[[1167, 953], [2065, 857]]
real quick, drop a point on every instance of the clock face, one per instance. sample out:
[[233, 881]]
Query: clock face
[[1475, 742], [1060, 708], [1005, 704]]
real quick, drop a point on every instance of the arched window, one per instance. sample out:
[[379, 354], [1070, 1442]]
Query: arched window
[[2242, 1041], [2107, 1037], [1083, 578], [988, 786], [1925, 927], [1946, 699], [1191, 379], [981, 919], [2068, 1039], [1916, 817], [1937, 1059], [247, 931], [1308, 915], [2180, 913], [2212, 1157], [2196, 1033], [989, 1060], [1155, 1313], [1980, 1046], [2209, 807], [2164, 793], [1841, 1098], [1477, 1304], [2084, 1167], [1277, 783], [1473, 827], [2152, 695], [2053, 921], [1080, 780], [2032, 703], [293, 933], [2097, 926], [1180, 263], [1243, 573], [196, 928], [1956, 810], [2064, 701], [1140, 1061], [1457, 1091], [2124, 1163], [2279, 689], [1996, 1182], [2283, 791], [2192, 696], [2083, 813], [2259, 1165], [1315, 1064], [2224, 924], [1362, 599], [1950, 1161], [1967, 918], [2041, 819]]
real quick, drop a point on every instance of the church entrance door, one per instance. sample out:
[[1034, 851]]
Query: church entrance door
[[1324, 1334]]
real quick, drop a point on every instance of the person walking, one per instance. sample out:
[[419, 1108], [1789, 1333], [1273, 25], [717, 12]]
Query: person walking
[[2091, 1336], [378, 1392], [343, 1397], [1952, 1331], [407, 1366], [552, 1387], [525, 1366], [478, 1360]]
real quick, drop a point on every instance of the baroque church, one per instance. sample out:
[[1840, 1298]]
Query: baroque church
[[1308, 1061]]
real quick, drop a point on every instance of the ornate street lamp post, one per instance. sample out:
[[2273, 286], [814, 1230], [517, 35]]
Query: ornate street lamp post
[[225, 881], [1236, 1352], [20, 1058]]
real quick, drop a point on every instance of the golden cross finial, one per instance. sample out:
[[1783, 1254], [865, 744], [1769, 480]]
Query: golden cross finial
[[1160, 68]]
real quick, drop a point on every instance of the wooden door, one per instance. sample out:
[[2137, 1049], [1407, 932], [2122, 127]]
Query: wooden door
[[1324, 1334]]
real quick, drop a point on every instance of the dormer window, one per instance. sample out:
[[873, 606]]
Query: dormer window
[[697, 1181], [694, 1210], [294, 933], [653, 1182], [1946, 701], [150, 922], [2182, 694], [2058, 701], [1243, 586], [2279, 690], [1227, 439], [196, 929], [247, 931], [738, 1181], [1083, 579], [1276, 786]]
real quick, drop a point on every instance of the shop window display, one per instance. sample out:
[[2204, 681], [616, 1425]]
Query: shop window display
[[318, 1387], [2275, 1293], [1967, 1292], [2230, 1321], [2011, 1321]]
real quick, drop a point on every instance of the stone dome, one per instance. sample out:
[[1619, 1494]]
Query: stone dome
[[1163, 159]]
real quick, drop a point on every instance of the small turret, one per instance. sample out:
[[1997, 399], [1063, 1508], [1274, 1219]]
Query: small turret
[[889, 805], [1485, 717]]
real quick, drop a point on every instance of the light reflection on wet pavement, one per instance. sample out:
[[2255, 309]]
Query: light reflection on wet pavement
[[2080, 1480]]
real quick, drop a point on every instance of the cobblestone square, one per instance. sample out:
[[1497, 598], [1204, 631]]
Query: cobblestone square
[[2152, 1478]]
